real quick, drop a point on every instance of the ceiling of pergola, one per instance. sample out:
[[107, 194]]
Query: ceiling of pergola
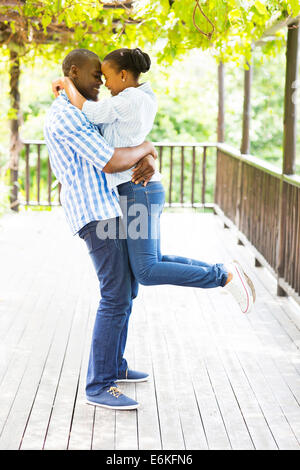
[[30, 30]]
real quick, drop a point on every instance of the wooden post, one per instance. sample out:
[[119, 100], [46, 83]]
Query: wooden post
[[221, 104], [290, 121], [15, 143], [221, 121], [289, 139], [245, 145]]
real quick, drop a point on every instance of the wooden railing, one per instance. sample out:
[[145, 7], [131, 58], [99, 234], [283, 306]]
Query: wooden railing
[[264, 206], [183, 166], [260, 202]]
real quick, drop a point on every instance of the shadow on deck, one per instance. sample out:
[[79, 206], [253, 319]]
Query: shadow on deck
[[219, 380]]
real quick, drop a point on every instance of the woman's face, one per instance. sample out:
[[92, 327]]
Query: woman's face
[[115, 81]]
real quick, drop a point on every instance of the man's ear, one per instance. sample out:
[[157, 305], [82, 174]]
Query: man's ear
[[73, 73]]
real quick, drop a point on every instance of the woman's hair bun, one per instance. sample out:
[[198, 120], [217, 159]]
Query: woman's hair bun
[[140, 60]]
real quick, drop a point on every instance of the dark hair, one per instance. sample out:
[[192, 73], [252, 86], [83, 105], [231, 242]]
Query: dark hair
[[77, 57], [134, 60]]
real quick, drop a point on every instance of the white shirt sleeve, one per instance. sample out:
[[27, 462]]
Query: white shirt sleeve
[[108, 110]]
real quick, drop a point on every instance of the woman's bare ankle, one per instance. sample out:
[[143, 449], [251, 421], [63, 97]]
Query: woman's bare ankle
[[230, 276]]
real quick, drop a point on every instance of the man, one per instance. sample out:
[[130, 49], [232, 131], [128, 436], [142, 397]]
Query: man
[[79, 158]]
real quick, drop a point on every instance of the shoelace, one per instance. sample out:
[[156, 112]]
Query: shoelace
[[115, 391]]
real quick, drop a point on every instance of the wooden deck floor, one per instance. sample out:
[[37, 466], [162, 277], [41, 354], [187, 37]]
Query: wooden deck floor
[[219, 380]]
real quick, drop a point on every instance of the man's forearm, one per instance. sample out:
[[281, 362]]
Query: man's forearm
[[127, 157]]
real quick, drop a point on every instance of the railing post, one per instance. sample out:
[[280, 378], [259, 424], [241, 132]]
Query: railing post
[[221, 104], [289, 139], [221, 123], [203, 176], [171, 175], [245, 144]]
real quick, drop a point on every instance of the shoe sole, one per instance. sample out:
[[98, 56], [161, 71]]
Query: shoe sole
[[241, 275], [133, 380], [128, 407], [249, 281]]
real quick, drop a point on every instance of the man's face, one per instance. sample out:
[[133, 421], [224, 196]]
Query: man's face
[[87, 78]]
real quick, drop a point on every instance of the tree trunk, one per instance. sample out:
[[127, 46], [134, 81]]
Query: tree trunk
[[15, 142]]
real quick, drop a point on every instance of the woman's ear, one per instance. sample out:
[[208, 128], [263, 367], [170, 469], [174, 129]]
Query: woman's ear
[[124, 75]]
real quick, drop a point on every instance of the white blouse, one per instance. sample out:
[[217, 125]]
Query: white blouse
[[124, 120]]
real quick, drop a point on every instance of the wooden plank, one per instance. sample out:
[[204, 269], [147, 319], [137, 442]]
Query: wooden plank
[[104, 434], [81, 432], [147, 417], [126, 423], [38, 419], [199, 347], [32, 346], [104, 428], [281, 407], [13, 430], [63, 407], [225, 343], [170, 427], [231, 381], [185, 390], [20, 359]]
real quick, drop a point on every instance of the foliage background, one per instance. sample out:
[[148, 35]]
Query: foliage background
[[186, 87], [187, 94]]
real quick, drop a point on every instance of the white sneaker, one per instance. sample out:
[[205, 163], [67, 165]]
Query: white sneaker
[[240, 287]]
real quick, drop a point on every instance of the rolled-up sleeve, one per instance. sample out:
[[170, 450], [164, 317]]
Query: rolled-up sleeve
[[108, 110], [83, 138]]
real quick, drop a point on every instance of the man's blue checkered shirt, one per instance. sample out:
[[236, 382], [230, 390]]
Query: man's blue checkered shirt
[[77, 154]]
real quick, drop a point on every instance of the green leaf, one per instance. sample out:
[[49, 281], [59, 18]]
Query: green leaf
[[46, 20]]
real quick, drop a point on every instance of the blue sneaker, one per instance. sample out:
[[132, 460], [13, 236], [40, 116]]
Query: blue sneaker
[[132, 376], [113, 398]]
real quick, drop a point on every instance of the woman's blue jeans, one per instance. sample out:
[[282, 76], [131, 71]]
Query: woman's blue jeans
[[135, 238], [142, 208]]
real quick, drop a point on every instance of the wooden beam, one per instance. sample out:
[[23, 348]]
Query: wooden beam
[[12, 3], [113, 5], [221, 104], [221, 123], [245, 144], [290, 105]]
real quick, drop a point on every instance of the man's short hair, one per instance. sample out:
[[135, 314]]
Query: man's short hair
[[77, 57]]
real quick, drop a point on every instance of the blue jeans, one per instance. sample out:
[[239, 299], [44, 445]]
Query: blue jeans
[[143, 206], [118, 289]]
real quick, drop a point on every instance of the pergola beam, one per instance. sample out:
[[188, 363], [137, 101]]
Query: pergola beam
[[221, 103], [245, 145]]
